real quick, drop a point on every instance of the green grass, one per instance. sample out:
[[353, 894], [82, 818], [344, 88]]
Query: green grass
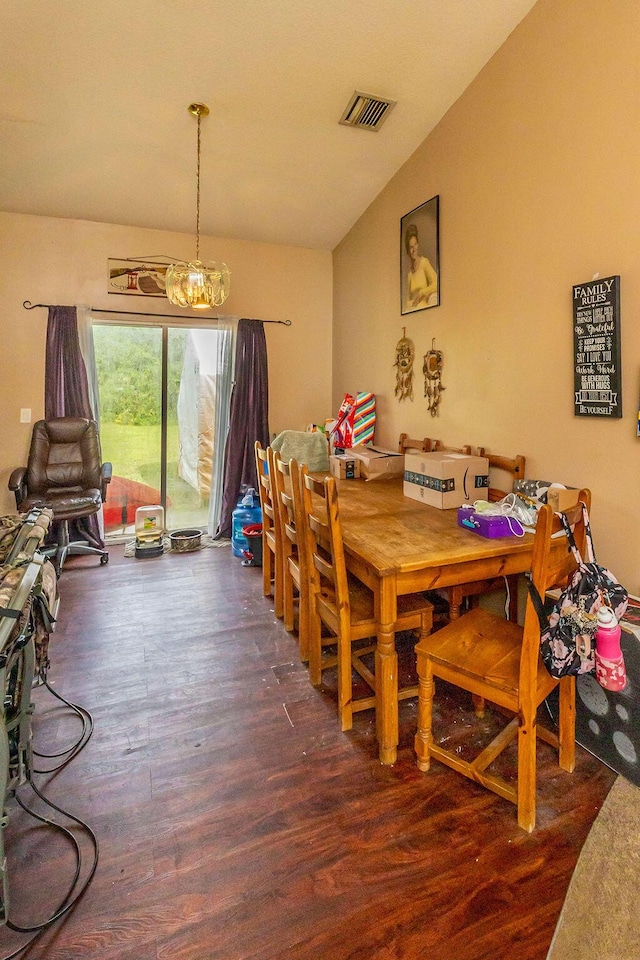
[[134, 452]]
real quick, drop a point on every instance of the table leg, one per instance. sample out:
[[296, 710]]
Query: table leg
[[387, 673]]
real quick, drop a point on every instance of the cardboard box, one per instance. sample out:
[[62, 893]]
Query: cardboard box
[[343, 467], [559, 499], [376, 463], [444, 479]]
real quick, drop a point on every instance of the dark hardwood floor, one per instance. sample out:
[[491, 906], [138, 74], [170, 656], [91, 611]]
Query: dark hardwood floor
[[235, 820]]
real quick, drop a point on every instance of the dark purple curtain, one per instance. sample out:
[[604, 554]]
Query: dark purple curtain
[[248, 417], [66, 390]]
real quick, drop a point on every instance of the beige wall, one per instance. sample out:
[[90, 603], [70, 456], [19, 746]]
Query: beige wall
[[46, 260], [537, 167]]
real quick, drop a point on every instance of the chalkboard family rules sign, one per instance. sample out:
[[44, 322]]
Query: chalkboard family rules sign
[[596, 347]]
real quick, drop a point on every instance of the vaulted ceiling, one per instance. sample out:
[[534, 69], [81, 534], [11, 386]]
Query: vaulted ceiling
[[94, 93]]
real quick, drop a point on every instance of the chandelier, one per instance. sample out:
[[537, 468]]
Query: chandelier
[[195, 284]]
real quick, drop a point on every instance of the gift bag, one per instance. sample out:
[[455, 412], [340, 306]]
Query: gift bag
[[356, 421]]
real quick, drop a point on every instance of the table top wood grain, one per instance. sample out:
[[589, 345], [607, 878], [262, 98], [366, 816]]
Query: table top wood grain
[[398, 535]]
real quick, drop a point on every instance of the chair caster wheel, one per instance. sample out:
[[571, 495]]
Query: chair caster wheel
[[104, 559]]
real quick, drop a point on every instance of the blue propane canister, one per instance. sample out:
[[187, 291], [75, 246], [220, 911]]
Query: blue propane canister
[[246, 512]]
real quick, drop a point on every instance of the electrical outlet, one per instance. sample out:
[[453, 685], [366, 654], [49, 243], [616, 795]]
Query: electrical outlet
[[25, 415]]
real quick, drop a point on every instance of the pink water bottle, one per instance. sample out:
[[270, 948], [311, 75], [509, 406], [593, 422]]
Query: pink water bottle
[[610, 669]]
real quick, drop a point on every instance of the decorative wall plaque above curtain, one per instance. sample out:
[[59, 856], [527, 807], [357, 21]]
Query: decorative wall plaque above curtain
[[596, 346], [142, 278]]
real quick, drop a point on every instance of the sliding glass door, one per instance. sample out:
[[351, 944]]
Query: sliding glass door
[[157, 389]]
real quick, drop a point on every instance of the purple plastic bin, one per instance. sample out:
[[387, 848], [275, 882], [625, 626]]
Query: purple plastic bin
[[488, 526]]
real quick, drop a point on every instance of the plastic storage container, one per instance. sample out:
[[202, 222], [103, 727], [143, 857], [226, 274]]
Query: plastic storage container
[[246, 512], [149, 523], [253, 535], [149, 531]]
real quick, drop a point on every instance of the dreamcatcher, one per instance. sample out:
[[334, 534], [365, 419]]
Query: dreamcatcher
[[432, 370], [405, 353]]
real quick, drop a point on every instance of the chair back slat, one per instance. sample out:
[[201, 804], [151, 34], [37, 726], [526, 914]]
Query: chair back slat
[[285, 495], [264, 485], [321, 512], [324, 568], [502, 469], [440, 447], [298, 514], [338, 562], [406, 444], [273, 506], [294, 585], [306, 487], [280, 477], [271, 535]]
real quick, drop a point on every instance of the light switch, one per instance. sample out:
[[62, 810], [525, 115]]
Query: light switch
[[25, 415]]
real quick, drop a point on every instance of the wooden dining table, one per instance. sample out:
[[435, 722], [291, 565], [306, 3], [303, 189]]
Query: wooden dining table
[[397, 545]]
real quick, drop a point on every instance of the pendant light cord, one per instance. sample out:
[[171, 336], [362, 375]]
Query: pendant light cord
[[198, 194]]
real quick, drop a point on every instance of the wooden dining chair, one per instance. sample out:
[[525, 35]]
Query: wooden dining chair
[[407, 445], [448, 601], [344, 605], [439, 446], [503, 471], [271, 547], [500, 662], [304, 581], [295, 590]]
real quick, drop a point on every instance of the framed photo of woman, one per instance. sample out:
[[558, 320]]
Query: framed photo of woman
[[420, 257]]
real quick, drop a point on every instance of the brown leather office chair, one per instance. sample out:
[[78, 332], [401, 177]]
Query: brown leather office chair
[[65, 472]]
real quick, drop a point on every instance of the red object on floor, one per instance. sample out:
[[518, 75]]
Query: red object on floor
[[123, 499]]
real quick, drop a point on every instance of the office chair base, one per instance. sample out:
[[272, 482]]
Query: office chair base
[[79, 548], [66, 547], [58, 555]]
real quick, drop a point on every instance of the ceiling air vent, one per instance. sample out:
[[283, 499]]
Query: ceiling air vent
[[366, 111]]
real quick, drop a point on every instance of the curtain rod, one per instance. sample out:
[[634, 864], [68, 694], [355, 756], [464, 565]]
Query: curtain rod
[[165, 316]]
